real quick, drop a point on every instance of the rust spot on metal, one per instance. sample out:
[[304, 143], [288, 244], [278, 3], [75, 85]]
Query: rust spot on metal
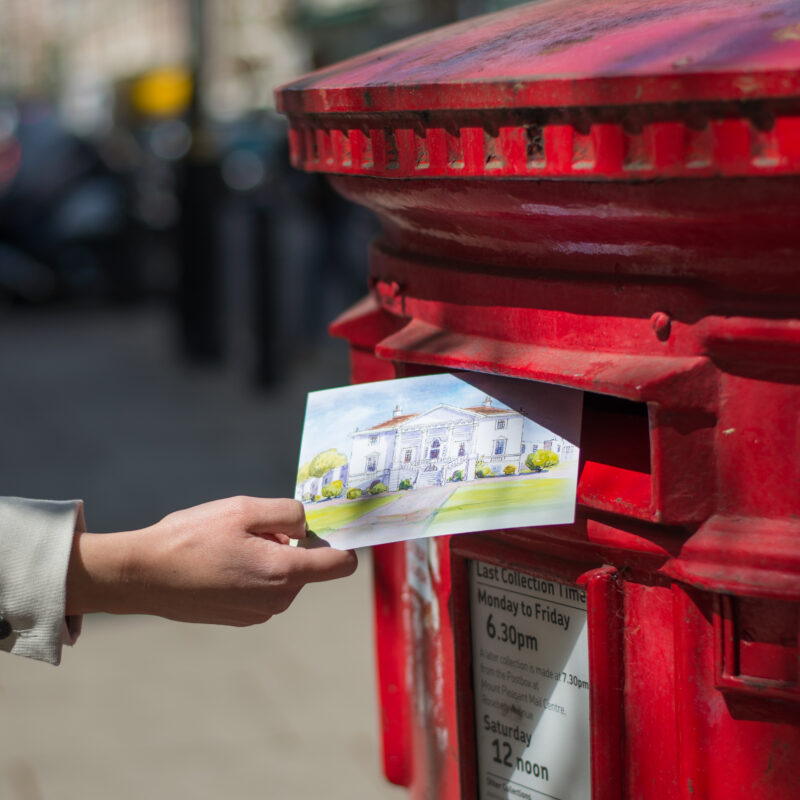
[[563, 44], [490, 124], [748, 84], [345, 149], [637, 152], [764, 146], [455, 151], [534, 146], [367, 158], [791, 33], [493, 159], [392, 154], [583, 153], [422, 158], [698, 144]]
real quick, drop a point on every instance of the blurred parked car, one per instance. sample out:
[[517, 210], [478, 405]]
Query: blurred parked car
[[63, 215]]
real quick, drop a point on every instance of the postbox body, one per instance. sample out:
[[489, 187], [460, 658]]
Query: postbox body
[[606, 197]]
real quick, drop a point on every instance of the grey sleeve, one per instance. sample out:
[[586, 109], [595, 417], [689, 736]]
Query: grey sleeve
[[35, 544]]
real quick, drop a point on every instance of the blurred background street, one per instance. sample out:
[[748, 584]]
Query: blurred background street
[[166, 282], [96, 405]]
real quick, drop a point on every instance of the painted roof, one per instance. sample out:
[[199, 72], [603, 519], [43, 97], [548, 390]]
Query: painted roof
[[487, 411], [393, 423]]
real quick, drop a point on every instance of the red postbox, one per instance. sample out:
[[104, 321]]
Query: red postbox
[[603, 196]]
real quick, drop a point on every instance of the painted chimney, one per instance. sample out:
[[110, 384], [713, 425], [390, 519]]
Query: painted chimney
[[487, 402], [397, 412]]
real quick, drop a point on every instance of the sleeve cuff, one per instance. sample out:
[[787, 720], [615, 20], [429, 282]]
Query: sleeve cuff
[[35, 545]]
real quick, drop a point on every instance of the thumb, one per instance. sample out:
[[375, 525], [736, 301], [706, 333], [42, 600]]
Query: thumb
[[279, 517], [314, 560]]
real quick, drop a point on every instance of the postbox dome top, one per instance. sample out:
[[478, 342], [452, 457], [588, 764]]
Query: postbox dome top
[[578, 63]]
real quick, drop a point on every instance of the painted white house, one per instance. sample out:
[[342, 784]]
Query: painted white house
[[427, 449]]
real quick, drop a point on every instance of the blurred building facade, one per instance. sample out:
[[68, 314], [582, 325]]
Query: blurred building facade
[[139, 158], [46, 42], [54, 48]]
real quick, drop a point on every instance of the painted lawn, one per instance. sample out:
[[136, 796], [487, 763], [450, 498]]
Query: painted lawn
[[332, 517], [504, 504]]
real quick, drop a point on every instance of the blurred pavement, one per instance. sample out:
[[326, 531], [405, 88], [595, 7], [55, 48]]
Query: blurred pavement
[[95, 404]]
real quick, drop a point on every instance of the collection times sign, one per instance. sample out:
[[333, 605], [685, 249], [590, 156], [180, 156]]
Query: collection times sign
[[531, 683]]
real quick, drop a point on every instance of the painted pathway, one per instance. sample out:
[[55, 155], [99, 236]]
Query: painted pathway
[[405, 518], [413, 506]]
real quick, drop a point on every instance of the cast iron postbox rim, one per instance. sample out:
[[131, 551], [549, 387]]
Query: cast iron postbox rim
[[679, 99]]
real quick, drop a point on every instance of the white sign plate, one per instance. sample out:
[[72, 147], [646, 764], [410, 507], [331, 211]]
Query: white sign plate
[[530, 656]]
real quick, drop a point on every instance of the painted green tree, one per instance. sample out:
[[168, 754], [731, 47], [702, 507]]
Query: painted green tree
[[325, 461], [320, 464]]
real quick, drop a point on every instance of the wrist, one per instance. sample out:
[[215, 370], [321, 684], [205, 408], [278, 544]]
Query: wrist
[[98, 574]]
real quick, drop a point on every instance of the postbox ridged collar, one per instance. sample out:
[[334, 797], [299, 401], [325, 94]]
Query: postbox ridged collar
[[625, 89]]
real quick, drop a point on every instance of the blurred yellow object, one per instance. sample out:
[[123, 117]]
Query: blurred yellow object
[[162, 92]]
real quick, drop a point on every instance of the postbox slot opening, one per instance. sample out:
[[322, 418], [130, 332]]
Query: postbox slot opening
[[766, 637], [615, 473], [615, 432]]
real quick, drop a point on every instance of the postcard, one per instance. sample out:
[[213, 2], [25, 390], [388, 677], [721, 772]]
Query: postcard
[[438, 454]]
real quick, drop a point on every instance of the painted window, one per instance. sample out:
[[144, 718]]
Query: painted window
[[522, 449], [407, 456], [499, 447], [500, 424], [372, 463], [373, 440], [435, 449], [462, 450]]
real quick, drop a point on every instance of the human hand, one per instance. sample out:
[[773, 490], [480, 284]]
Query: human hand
[[227, 562]]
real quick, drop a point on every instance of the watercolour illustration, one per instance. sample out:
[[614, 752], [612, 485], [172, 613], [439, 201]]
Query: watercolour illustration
[[437, 454]]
